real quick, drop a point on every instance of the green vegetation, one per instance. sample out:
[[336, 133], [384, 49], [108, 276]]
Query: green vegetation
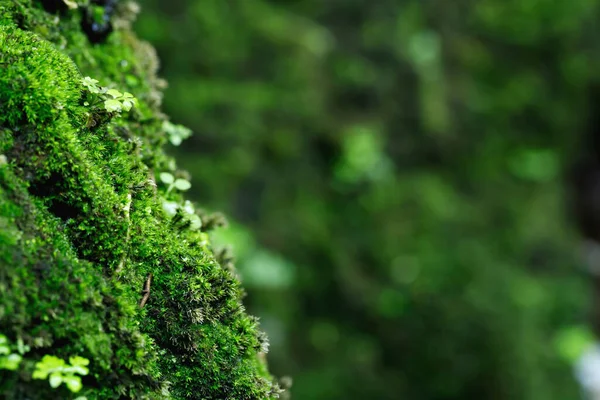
[[84, 235], [395, 169], [113, 100], [57, 371]]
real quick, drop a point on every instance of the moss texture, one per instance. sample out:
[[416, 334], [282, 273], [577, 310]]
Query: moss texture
[[82, 224]]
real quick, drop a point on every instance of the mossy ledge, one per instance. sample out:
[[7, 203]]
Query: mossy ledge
[[82, 226]]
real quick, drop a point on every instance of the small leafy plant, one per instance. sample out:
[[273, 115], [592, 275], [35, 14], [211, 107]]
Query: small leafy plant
[[171, 207], [111, 100], [8, 359], [119, 101], [57, 371], [176, 133], [188, 213], [179, 184], [54, 368]]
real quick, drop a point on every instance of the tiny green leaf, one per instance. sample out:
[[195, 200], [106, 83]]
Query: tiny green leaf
[[51, 362], [175, 140], [112, 105], [128, 101], [55, 379], [167, 178], [195, 222], [10, 362], [176, 133], [170, 207], [71, 4], [182, 184], [114, 93], [78, 361], [90, 84], [127, 105], [73, 383], [89, 81], [39, 374], [22, 348], [47, 365], [77, 369], [188, 207]]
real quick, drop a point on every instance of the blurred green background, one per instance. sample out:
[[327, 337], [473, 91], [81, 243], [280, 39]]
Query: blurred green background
[[393, 171]]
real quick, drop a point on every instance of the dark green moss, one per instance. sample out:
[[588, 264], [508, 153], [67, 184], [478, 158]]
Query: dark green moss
[[83, 228]]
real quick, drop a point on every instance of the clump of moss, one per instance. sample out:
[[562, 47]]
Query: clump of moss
[[84, 235]]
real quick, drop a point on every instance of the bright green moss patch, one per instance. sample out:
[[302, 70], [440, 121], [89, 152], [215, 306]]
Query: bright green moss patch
[[58, 304], [92, 265]]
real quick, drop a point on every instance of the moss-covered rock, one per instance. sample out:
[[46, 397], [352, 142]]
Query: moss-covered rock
[[92, 262]]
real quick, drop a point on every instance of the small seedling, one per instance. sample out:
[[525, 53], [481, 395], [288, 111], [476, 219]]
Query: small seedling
[[90, 84], [171, 208], [176, 133], [179, 184], [57, 371], [22, 348], [195, 221], [8, 359], [112, 100], [119, 101]]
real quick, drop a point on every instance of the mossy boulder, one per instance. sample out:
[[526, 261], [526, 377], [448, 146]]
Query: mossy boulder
[[93, 263]]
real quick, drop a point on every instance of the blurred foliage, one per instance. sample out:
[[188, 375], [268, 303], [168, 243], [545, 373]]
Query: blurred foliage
[[396, 170]]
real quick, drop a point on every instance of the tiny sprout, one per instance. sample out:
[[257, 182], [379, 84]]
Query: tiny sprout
[[119, 101], [90, 84], [114, 100], [8, 359], [128, 101], [10, 362], [22, 348], [179, 184], [57, 371], [79, 365], [167, 178], [195, 220], [176, 133]]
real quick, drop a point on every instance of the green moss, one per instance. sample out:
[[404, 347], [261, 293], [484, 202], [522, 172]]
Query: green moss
[[82, 229]]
